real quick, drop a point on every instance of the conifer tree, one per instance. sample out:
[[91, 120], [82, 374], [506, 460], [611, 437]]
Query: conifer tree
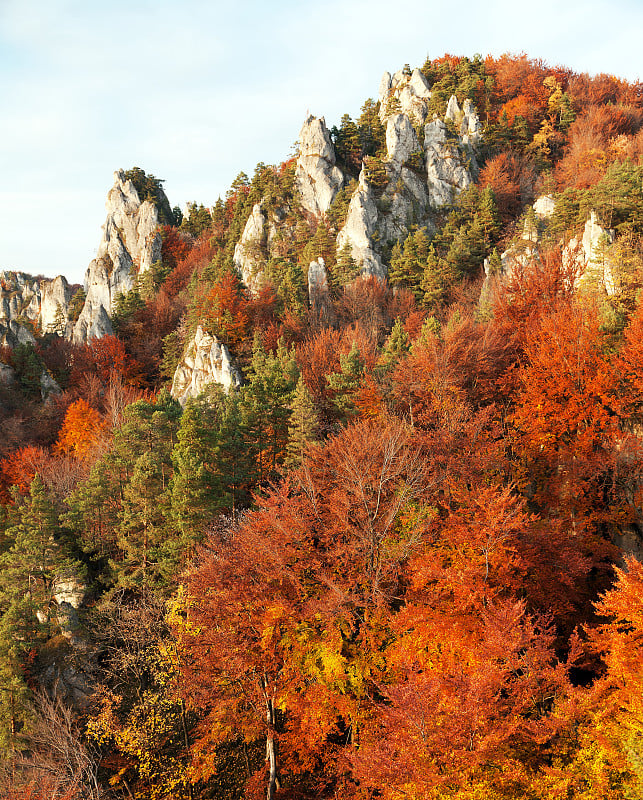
[[345, 383], [304, 423], [346, 268], [265, 401]]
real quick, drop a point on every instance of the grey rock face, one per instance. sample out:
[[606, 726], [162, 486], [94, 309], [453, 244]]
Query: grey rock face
[[54, 297], [129, 245], [318, 294], [205, 361], [590, 258], [360, 227], [13, 333], [317, 178], [544, 206], [410, 92], [401, 140], [249, 256], [19, 297], [446, 166]]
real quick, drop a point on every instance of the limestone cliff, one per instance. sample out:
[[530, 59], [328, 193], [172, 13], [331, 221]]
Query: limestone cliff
[[129, 245], [317, 178], [250, 252], [205, 361], [421, 176]]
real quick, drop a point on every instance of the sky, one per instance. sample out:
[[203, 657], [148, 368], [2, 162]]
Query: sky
[[195, 91]]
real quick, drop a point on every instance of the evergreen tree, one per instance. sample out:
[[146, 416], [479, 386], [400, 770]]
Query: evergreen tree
[[440, 275], [38, 554], [304, 424], [345, 383], [346, 268], [265, 401]]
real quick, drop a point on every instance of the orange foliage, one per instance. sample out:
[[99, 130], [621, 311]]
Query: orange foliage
[[599, 135], [368, 400], [80, 431], [224, 309]]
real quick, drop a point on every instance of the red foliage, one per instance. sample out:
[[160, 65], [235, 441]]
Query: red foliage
[[19, 469], [511, 177]]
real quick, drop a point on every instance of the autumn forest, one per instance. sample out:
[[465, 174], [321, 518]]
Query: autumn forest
[[400, 559]]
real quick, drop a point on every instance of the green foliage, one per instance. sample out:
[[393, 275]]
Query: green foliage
[[408, 261], [121, 510], [464, 77], [265, 408], [150, 188], [345, 269], [38, 552], [345, 383], [76, 304], [304, 424], [376, 174], [289, 283], [197, 220], [338, 210], [28, 366], [125, 306]]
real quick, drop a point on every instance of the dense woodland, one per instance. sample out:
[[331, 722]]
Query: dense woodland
[[391, 564]]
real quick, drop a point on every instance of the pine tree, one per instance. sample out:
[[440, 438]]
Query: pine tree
[[345, 383], [304, 424], [265, 402], [346, 268]]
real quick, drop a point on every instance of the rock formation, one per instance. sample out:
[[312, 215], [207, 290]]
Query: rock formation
[[318, 292], [317, 178], [447, 172], [409, 94], [130, 244], [205, 361], [55, 296], [421, 176], [249, 253], [359, 230], [590, 257]]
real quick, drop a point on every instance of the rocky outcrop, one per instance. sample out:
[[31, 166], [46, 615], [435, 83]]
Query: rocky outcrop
[[130, 244], [249, 253], [317, 178], [19, 297], [447, 171], [13, 333], [318, 293], [205, 361], [360, 228], [420, 176], [589, 257], [55, 296], [544, 206], [408, 94]]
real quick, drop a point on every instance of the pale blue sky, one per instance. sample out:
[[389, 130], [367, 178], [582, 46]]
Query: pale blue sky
[[195, 91]]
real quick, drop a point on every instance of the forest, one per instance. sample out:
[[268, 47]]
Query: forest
[[400, 561]]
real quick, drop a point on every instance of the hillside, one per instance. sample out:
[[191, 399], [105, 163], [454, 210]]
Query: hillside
[[333, 489]]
